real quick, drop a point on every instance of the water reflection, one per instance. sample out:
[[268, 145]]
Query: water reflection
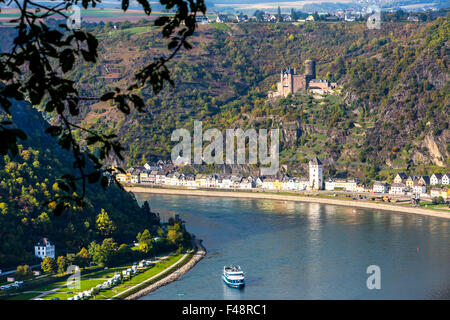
[[232, 293], [295, 250]]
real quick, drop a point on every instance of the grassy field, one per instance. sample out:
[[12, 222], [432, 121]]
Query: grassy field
[[91, 280], [221, 26], [131, 31], [159, 267]]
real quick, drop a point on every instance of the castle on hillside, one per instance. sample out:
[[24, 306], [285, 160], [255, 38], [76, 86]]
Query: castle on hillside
[[291, 82]]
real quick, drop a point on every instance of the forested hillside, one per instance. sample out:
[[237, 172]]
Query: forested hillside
[[392, 113], [27, 181]]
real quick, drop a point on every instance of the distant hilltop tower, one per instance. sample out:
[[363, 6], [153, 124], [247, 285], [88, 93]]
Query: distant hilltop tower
[[310, 69], [315, 174]]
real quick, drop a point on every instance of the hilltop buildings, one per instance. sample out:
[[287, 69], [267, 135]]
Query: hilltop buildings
[[292, 82]]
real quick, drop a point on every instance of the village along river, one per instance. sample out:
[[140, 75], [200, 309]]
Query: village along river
[[294, 250]]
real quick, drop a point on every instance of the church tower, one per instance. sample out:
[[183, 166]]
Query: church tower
[[315, 174]]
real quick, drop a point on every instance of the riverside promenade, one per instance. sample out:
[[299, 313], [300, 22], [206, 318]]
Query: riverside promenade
[[197, 256], [286, 197]]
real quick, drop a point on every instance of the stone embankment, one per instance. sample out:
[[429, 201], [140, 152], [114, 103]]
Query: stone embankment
[[197, 256]]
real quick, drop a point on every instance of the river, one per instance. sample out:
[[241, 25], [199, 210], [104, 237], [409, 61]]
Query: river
[[294, 250]]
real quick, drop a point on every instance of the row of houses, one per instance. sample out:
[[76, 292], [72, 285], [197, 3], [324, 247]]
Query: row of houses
[[435, 179], [416, 185], [410, 189], [234, 181], [166, 175], [266, 17]]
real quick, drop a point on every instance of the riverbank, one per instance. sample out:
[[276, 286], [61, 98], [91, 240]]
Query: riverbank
[[185, 267], [162, 268], [287, 197]]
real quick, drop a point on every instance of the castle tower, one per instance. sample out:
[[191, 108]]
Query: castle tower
[[315, 174], [310, 69], [287, 81]]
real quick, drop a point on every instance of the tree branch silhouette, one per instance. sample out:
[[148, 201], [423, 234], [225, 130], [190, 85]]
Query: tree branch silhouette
[[34, 70]]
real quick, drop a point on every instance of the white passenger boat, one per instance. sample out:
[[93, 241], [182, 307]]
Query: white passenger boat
[[233, 276]]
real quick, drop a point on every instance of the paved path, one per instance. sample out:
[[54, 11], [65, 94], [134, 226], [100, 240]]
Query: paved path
[[14, 271], [198, 255], [55, 290], [44, 293], [150, 279]]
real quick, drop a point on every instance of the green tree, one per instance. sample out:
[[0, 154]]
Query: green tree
[[104, 223], [279, 16], [23, 272], [152, 217], [63, 264], [124, 254], [145, 241], [259, 15], [294, 15], [48, 265], [438, 200], [83, 258], [104, 254], [174, 235]]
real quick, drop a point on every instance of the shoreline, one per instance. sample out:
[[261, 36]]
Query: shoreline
[[172, 276], [285, 197]]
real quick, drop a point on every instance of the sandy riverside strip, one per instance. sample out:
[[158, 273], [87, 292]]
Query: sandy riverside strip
[[285, 197], [197, 256]]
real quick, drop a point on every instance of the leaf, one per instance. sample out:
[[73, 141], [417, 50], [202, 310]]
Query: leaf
[[104, 181], [63, 186], [138, 102], [145, 4], [88, 56], [107, 96], [54, 131], [60, 207], [94, 176], [66, 60], [161, 21]]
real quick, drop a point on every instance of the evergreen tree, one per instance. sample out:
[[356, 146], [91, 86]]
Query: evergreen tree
[[279, 16], [294, 15]]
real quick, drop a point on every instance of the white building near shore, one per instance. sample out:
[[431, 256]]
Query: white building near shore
[[44, 249], [398, 188], [315, 174], [380, 187]]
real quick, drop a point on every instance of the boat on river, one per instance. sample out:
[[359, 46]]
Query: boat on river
[[233, 276]]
